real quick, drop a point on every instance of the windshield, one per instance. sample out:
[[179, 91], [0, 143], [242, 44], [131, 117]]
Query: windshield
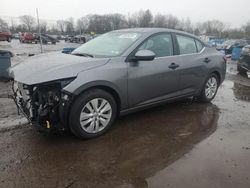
[[108, 45]]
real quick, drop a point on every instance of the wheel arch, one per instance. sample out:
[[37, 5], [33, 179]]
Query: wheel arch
[[217, 73], [104, 85]]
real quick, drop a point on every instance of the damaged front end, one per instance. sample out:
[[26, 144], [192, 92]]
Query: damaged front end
[[43, 104]]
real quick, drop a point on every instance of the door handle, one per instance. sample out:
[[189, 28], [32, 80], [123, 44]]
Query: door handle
[[206, 60], [173, 66]]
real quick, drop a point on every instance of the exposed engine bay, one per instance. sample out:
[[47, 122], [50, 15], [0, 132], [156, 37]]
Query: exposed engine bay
[[40, 103]]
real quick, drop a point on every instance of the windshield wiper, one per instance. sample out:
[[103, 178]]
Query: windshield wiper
[[83, 54]]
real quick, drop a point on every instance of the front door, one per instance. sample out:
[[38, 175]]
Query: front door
[[151, 81]]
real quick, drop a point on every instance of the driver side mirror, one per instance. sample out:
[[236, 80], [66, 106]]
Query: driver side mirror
[[144, 55]]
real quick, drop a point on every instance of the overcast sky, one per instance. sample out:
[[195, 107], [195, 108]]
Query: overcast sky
[[234, 12]]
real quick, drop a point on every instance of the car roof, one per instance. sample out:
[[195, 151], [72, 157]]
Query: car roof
[[155, 30]]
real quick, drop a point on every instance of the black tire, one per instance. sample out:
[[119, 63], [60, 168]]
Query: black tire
[[203, 97], [79, 104], [9, 39]]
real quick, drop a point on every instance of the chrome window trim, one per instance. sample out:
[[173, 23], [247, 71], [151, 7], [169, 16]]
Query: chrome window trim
[[182, 54]]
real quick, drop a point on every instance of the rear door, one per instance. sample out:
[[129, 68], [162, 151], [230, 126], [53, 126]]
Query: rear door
[[151, 81], [193, 65]]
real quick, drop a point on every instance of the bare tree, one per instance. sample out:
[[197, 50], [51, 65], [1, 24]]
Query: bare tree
[[166, 21], [100, 23], [70, 26], [213, 27], [43, 26], [13, 25], [117, 21], [53, 30], [28, 21], [132, 20], [145, 18], [61, 25], [82, 24], [246, 29], [171, 21], [186, 25], [3, 25], [160, 20]]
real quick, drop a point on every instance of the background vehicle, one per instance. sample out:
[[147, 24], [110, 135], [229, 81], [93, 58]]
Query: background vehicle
[[16, 36], [116, 73], [243, 65], [46, 39], [228, 45], [81, 39], [27, 38], [69, 38], [5, 36]]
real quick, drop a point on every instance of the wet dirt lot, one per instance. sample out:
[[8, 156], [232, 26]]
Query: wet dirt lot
[[182, 144]]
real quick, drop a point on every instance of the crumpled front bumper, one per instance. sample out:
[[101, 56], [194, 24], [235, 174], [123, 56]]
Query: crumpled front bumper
[[45, 119]]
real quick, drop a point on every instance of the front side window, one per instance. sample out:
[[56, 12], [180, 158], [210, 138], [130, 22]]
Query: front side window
[[186, 45], [199, 45], [160, 44]]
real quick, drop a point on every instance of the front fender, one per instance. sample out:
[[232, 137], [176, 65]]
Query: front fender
[[113, 76], [97, 83]]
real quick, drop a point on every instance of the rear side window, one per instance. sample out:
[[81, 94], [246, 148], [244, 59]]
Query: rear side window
[[199, 45], [186, 45], [160, 44]]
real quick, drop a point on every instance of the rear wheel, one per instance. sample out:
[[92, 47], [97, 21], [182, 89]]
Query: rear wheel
[[92, 114], [209, 89]]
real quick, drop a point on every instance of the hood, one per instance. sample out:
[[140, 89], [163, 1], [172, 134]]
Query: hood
[[52, 66]]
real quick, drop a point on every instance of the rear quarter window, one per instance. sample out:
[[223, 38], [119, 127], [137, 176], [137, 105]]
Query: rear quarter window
[[187, 45]]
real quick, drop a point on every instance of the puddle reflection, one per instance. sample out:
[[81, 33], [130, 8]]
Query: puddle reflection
[[241, 92], [140, 145]]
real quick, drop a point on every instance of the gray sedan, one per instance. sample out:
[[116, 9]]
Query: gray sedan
[[114, 74]]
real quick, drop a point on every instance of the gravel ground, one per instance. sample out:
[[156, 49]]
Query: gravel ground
[[22, 51]]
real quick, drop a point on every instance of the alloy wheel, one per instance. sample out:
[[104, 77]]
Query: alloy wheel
[[95, 115], [211, 87]]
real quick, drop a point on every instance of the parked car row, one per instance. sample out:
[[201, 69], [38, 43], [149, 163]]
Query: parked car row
[[78, 38], [35, 38], [229, 45], [239, 51], [28, 37], [5, 36]]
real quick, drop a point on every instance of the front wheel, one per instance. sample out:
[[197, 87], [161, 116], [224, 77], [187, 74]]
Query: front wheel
[[92, 113], [209, 89]]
